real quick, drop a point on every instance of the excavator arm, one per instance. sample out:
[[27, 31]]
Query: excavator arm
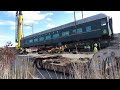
[[18, 34]]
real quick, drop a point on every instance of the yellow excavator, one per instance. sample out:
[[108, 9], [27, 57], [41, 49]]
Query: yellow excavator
[[18, 33]]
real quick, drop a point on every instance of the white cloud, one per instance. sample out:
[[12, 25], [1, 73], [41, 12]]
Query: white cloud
[[68, 11], [30, 16], [9, 13], [11, 24], [51, 25], [8, 23], [12, 27], [6, 38], [116, 20], [27, 27], [49, 19], [49, 14]]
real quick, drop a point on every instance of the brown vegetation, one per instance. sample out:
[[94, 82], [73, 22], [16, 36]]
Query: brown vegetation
[[106, 69], [13, 68], [9, 68]]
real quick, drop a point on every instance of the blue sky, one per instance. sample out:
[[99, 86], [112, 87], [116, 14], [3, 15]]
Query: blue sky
[[43, 20]]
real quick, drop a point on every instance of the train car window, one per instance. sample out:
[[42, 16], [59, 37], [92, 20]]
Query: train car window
[[35, 39], [25, 41], [74, 31], [103, 22], [79, 30], [55, 35], [88, 28], [65, 33], [48, 37], [31, 41], [59, 44], [41, 38]]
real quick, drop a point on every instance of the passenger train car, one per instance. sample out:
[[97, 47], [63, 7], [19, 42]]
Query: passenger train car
[[94, 29]]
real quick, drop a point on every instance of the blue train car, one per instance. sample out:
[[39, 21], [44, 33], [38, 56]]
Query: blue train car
[[97, 27]]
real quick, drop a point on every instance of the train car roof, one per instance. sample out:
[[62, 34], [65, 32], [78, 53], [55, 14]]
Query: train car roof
[[84, 20]]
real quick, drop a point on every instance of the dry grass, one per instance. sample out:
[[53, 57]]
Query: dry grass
[[109, 68], [81, 70], [13, 68]]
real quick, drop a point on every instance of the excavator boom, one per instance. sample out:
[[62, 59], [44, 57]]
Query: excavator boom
[[19, 22]]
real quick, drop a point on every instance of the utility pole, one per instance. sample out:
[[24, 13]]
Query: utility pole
[[82, 14], [30, 26], [75, 28], [75, 21]]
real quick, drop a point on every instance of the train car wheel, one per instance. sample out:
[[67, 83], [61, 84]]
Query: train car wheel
[[38, 64]]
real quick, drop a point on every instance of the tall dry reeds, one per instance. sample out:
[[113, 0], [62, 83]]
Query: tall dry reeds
[[109, 68], [81, 70], [13, 68]]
